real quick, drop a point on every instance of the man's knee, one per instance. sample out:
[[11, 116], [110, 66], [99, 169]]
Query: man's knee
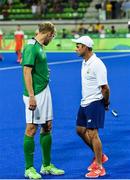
[[92, 133], [46, 127], [81, 131], [49, 127], [31, 129]]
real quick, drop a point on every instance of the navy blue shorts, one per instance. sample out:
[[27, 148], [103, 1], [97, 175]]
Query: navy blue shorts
[[92, 116]]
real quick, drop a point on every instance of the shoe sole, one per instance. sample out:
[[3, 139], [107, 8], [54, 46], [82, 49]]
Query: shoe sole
[[57, 174], [92, 177], [96, 176], [30, 177], [103, 174], [44, 173], [90, 169]]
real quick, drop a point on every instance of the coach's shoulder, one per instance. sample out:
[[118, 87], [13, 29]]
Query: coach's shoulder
[[31, 41]]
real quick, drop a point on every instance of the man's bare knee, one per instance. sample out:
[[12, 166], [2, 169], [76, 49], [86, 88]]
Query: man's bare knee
[[92, 133], [31, 129], [81, 131], [46, 127]]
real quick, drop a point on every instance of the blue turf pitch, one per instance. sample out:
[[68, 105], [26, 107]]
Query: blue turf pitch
[[68, 151]]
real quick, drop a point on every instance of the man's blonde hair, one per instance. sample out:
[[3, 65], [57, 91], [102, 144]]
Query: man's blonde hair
[[46, 27]]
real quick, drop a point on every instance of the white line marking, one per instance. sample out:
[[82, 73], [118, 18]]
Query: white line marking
[[115, 56], [67, 61], [10, 68]]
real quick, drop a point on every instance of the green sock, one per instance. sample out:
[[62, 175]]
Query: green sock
[[46, 141], [29, 147]]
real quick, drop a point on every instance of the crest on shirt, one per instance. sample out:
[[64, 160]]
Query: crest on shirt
[[88, 71], [31, 41]]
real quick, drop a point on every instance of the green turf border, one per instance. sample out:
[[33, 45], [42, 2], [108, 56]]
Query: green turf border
[[66, 45]]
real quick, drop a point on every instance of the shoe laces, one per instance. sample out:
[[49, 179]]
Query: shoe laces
[[52, 166], [32, 169], [97, 171]]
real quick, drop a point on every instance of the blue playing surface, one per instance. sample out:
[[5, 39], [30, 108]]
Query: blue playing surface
[[68, 150]]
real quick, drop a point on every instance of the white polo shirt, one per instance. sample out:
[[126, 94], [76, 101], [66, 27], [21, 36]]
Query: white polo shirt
[[94, 75]]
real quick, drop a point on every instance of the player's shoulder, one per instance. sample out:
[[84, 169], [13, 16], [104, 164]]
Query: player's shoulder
[[30, 46], [99, 63], [31, 42]]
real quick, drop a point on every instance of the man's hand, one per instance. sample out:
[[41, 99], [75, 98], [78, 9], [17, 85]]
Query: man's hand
[[32, 103], [106, 104], [106, 94]]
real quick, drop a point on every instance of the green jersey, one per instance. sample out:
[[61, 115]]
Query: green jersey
[[34, 56]]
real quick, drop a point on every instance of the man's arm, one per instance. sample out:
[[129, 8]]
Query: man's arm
[[106, 95], [27, 71]]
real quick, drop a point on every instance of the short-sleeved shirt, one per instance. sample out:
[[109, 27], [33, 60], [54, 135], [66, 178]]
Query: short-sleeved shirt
[[93, 75], [35, 57]]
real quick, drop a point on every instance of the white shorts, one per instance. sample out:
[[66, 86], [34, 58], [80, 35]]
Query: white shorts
[[43, 111]]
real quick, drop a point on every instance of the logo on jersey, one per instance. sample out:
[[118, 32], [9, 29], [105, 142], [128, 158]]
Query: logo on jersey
[[88, 71], [38, 118], [89, 120]]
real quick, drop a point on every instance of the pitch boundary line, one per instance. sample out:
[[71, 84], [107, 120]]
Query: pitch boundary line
[[66, 61]]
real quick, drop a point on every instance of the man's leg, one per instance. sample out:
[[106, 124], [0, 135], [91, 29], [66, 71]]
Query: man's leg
[[83, 133], [91, 139], [29, 144], [46, 141], [97, 168], [96, 144], [81, 126], [19, 55], [29, 147]]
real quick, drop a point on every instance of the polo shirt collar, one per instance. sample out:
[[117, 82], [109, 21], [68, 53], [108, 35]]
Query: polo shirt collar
[[90, 60]]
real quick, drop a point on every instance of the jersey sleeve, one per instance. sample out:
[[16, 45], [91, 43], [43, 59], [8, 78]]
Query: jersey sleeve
[[101, 74], [29, 55]]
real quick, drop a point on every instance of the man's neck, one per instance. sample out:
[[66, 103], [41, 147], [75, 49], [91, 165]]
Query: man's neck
[[87, 56], [39, 40]]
